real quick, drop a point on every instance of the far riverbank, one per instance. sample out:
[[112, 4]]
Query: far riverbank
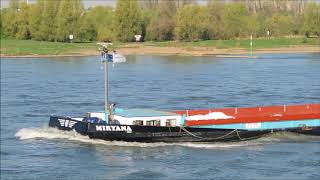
[[167, 51], [205, 51], [29, 48]]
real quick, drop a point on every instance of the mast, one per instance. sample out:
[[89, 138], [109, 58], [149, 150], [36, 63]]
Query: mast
[[106, 100], [108, 110]]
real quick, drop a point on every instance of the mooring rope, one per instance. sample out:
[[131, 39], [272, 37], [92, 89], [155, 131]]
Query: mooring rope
[[238, 134], [216, 138], [244, 139], [184, 129]]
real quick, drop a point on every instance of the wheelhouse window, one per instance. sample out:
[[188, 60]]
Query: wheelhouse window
[[138, 122], [171, 122], [153, 123]]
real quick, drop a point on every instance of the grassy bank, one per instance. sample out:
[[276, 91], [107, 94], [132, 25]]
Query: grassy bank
[[243, 43], [12, 47]]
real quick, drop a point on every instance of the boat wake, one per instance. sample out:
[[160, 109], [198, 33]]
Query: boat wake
[[51, 133], [288, 137]]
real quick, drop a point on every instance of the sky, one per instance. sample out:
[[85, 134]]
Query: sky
[[90, 3], [87, 3]]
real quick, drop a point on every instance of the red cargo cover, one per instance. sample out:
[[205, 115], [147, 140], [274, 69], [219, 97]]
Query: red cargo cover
[[256, 114]]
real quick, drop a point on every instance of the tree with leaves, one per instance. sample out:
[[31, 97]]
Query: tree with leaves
[[1, 26], [127, 20], [10, 24], [67, 19], [280, 24], [312, 20], [34, 20], [86, 30], [192, 23], [47, 26], [102, 19], [22, 18], [215, 10], [162, 24], [159, 20], [235, 21]]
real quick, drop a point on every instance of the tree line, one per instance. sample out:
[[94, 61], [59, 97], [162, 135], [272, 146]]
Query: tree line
[[159, 20]]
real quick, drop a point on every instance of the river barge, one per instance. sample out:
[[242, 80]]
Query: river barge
[[205, 125]]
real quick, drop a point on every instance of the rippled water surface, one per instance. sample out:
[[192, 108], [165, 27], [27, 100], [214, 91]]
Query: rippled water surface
[[32, 89]]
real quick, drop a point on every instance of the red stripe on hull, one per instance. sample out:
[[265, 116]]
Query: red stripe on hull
[[256, 114]]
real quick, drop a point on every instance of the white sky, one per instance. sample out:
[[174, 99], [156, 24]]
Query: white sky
[[87, 3]]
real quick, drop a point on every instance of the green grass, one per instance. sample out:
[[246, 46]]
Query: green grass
[[243, 43], [15, 47], [30, 47]]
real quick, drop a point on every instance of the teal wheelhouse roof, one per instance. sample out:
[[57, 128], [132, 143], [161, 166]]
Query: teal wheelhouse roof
[[142, 113]]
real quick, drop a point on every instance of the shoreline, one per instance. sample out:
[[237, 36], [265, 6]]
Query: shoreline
[[171, 51]]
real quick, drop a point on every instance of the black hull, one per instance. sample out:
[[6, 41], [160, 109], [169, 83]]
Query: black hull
[[133, 133]]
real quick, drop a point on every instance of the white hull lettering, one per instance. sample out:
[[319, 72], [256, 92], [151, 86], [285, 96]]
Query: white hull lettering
[[107, 128], [114, 128], [123, 128], [99, 128]]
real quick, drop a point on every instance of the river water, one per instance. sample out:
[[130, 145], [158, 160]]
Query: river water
[[34, 88]]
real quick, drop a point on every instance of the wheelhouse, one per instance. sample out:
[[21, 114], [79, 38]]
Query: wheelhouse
[[140, 117]]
